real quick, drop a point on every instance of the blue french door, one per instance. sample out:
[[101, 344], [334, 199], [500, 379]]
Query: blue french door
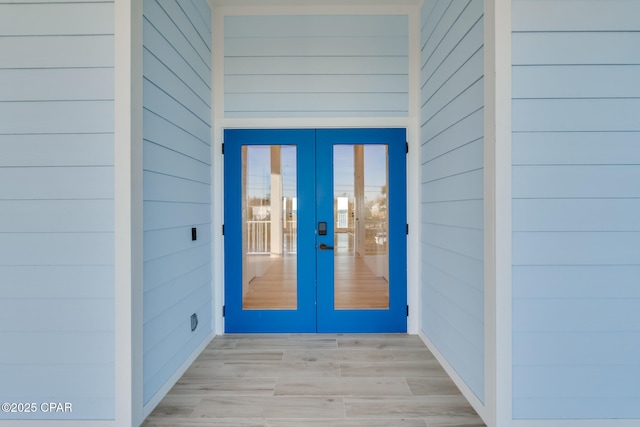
[[315, 230]]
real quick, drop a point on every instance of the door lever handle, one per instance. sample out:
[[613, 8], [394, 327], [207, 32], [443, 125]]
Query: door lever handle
[[325, 247]]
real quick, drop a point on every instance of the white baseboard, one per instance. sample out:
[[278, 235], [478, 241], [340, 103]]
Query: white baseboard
[[157, 398], [479, 407]]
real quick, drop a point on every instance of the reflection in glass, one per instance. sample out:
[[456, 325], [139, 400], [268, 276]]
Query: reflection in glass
[[361, 260], [269, 227]]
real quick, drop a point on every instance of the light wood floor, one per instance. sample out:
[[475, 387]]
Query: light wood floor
[[356, 286], [315, 381], [276, 288]]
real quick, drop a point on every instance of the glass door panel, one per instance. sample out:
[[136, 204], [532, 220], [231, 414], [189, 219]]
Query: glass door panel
[[361, 261], [269, 230], [269, 227]]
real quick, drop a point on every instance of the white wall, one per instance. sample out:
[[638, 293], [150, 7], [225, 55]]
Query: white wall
[[452, 157], [576, 205], [177, 189], [56, 208], [315, 66]]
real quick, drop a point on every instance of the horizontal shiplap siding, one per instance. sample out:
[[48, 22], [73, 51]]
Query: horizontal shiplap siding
[[576, 209], [177, 184], [452, 184], [315, 66], [56, 207]]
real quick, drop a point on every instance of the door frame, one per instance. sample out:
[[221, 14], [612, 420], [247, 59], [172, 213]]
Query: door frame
[[413, 203]]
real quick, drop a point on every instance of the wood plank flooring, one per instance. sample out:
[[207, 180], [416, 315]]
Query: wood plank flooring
[[317, 381], [356, 286], [276, 288]]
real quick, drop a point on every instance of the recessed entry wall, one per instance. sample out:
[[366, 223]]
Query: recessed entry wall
[[316, 66], [452, 159], [57, 209], [177, 185]]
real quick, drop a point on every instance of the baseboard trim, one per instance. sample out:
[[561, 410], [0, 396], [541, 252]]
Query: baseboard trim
[[479, 407], [157, 398]]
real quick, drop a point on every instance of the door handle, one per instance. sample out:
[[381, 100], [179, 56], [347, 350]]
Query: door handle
[[325, 247]]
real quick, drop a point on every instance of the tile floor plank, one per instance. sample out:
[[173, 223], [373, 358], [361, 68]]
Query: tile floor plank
[[190, 422], [282, 369], [300, 342], [339, 355], [413, 407], [196, 386], [362, 422], [270, 407], [254, 355], [416, 368], [342, 386], [380, 342]]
